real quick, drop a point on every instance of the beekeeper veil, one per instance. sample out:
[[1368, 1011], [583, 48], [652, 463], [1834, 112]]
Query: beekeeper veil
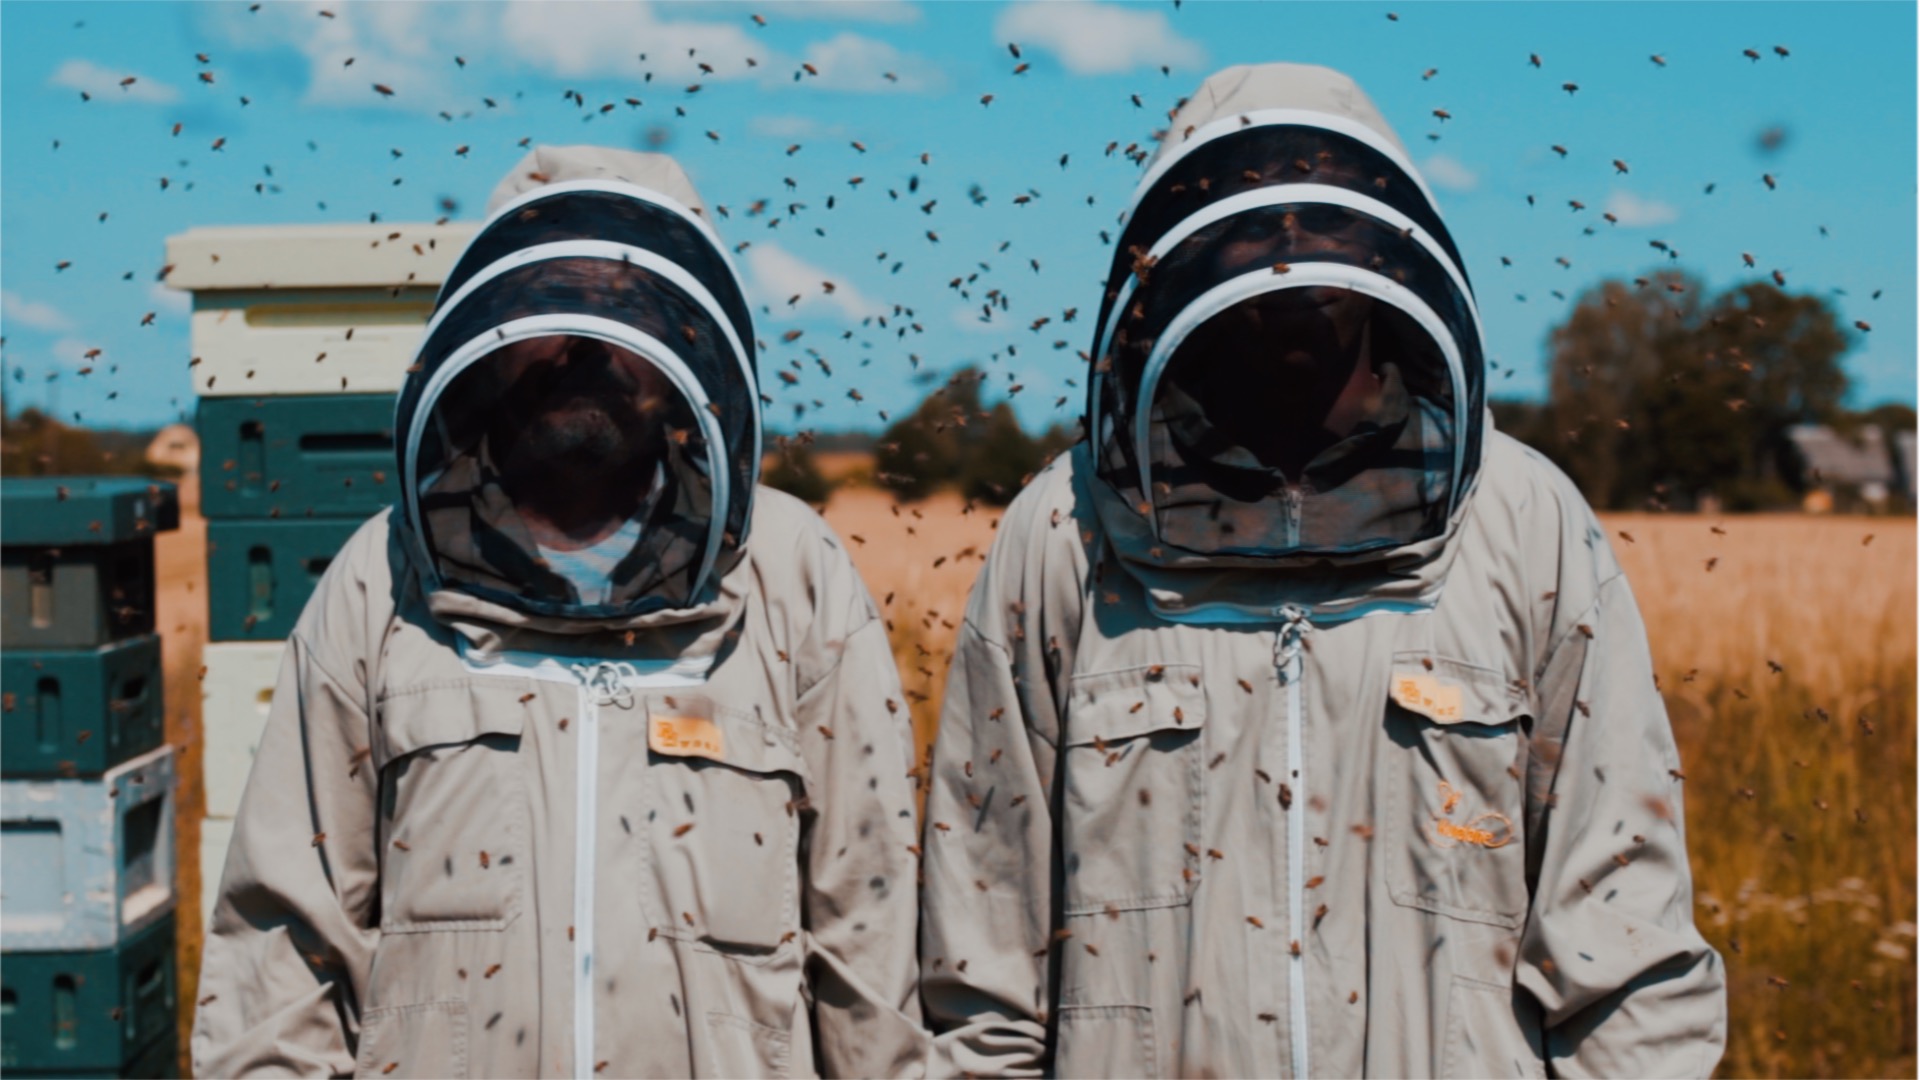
[[579, 435], [1289, 357]]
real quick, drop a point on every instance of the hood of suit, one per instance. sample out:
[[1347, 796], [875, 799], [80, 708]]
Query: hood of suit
[[1287, 405], [579, 434]]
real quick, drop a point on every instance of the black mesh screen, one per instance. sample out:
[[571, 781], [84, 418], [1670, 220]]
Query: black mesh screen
[[1338, 452], [629, 295], [476, 515]]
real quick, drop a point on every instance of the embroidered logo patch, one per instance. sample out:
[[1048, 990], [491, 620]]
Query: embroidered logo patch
[[1489, 830], [1427, 696], [686, 736]]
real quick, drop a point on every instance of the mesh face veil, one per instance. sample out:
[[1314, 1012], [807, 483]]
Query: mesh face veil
[[1289, 357], [580, 434]]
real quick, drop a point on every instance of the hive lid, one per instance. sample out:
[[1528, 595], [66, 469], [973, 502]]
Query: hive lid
[[47, 510], [330, 256]]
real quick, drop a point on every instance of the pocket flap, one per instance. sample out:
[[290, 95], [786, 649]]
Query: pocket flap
[[691, 726], [1123, 704], [455, 711], [1448, 691]]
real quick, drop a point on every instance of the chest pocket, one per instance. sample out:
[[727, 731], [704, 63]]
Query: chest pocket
[[1133, 790], [725, 796], [1457, 746], [453, 806]]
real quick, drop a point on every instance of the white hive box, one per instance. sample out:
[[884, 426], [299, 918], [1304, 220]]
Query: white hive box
[[216, 835], [236, 695], [86, 862], [270, 301]]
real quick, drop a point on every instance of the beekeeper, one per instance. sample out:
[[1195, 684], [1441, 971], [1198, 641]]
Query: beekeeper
[[590, 758], [1301, 724]]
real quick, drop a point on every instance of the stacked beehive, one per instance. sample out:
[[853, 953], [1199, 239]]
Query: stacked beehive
[[301, 337], [86, 803]]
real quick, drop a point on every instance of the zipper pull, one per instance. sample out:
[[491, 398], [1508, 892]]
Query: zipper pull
[[1295, 502], [609, 679], [1295, 625]]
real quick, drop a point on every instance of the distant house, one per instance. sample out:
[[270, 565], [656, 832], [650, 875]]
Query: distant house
[[1903, 462], [1867, 466]]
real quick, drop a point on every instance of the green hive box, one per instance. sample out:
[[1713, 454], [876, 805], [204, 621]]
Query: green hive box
[[260, 573], [80, 712], [159, 1061], [88, 1013], [320, 455], [76, 558]]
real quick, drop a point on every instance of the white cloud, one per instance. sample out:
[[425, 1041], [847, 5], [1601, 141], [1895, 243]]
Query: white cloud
[[105, 85], [600, 39], [73, 350], [777, 274], [871, 11], [850, 61], [169, 301], [790, 126], [1098, 38], [969, 320], [411, 47], [1449, 174], [32, 314], [1634, 211]]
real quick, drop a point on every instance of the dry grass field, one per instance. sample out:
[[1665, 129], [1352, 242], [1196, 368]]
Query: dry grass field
[[1800, 781], [1788, 671]]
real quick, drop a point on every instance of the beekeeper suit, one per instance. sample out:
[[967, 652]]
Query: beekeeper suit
[[590, 757], [1302, 724]]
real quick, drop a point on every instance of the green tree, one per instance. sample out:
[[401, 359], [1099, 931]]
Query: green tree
[[951, 438], [1659, 395], [794, 471], [33, 443], [1003, 457]]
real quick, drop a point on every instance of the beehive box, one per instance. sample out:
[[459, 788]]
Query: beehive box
[[260, 573], [236, 695], [79, 712], [160, 1060], [94, 1012], [328, 455], [309, 309], [86, 862], [76, 558]]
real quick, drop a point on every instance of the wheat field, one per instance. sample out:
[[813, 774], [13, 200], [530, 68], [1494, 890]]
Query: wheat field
[[1788, 671], [1800, 781]]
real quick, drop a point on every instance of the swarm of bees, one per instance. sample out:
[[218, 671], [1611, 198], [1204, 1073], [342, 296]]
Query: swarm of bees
[[935, 237]]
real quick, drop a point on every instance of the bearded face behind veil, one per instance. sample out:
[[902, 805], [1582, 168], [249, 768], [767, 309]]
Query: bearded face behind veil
[[587, 381]]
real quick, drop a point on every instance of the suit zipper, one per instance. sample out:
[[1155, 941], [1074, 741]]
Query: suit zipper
[[600, 683], [1287, 652]]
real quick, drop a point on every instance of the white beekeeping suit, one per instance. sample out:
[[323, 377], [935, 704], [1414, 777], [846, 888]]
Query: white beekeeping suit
[[589, 759], [1301, 723]]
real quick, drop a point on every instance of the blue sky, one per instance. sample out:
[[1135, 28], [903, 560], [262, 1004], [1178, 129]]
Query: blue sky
[[904, 79]]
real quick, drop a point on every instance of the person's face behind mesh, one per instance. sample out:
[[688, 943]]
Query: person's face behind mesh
[[1269, 372], [575, 403]]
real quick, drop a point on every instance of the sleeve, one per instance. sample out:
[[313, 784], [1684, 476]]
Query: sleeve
[[1627, 984], [295, 922], [859, 903], [987, 901]]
